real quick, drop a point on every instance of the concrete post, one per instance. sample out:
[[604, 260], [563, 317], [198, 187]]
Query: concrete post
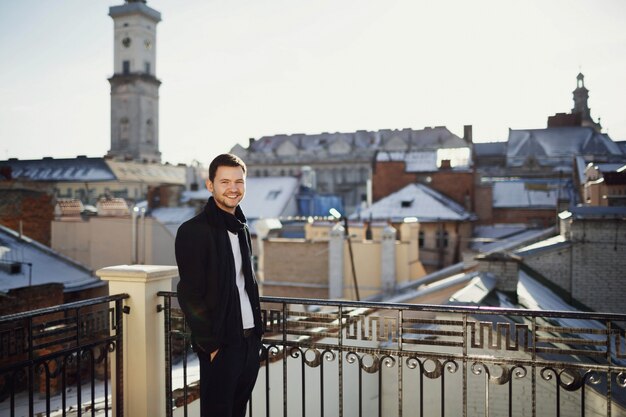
[[388, 259], [144, 335], [335, 262]]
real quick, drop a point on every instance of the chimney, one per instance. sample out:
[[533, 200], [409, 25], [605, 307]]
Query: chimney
[[250, 142], [505, 267], [6, 172], [467, 133]]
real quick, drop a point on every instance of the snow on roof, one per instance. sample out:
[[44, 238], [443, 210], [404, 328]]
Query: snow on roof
[[550, 243], [266, 197], [528, 193], [427, 138], [415, 200], [429, 160], [506, 236], [81, 169], [581, 166], [48, 266], [608, 167], [415, 161], [536, 296], [148, 173], [555, 145], [173, 217], [595, 212], [60, 170]]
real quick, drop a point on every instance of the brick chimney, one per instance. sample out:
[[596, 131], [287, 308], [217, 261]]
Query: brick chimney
[[467, 133], [505, 266]]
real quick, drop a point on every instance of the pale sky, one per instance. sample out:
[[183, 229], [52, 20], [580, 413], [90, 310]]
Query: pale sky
[[239, 69]]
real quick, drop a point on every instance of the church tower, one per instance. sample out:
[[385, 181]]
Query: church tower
[[581, 106], [134, 86], [581, 113]]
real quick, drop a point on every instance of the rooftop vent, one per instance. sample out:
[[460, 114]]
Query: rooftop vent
[[68, 208]]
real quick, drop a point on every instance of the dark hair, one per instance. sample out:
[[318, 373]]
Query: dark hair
[[225, 159]]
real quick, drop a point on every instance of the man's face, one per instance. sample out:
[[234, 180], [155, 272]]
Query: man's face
[[228, 187]]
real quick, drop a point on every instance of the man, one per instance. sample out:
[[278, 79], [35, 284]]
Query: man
[[218, 292]]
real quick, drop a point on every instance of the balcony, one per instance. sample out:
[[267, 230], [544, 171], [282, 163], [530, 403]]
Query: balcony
[[333, 358]]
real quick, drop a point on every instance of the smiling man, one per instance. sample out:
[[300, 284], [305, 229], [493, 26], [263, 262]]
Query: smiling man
[[219, 294]]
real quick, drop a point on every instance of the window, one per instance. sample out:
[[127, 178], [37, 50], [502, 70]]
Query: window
[[149, 131], [273, 195], [146, 67], [125, 67], [442, 239], [406, 203], [421, 239], [124, 132]]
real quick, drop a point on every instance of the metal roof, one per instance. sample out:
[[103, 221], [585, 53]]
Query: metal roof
[[555, 146], [490, 149], [83, 169], [427, 138], [80, 169], [48, 266], [266, 197], [535, 193], [416, 200]]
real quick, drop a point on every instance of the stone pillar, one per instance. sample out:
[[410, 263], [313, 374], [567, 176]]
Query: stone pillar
[[144, 335], [335, 262], [388, 259]]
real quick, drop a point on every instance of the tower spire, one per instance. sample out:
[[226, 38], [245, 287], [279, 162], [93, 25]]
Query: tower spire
[[581, 103]]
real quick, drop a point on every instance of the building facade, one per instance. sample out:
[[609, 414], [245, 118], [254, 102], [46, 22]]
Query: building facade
[[341, 163]]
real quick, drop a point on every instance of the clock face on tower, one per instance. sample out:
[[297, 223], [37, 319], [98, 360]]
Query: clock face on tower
[[147, 44], [126, 42]]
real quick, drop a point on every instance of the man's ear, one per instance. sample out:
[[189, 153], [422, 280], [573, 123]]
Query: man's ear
[[209, 185]]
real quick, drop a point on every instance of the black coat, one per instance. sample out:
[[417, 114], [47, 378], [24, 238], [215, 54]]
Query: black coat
[[207, 291]]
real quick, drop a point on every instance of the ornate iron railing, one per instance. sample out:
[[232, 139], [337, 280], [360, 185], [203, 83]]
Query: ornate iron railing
[[56, 360], [342, 358]]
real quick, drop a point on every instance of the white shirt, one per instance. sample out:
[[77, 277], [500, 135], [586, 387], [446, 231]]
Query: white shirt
[[246, 308]]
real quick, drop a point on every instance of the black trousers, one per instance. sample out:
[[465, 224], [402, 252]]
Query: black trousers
[[227, 382]]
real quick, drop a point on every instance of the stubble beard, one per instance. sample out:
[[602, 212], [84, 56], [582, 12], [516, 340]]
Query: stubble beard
[[228, 203]]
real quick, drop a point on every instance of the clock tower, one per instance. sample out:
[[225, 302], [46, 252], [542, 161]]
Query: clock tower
[[134, 86]]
